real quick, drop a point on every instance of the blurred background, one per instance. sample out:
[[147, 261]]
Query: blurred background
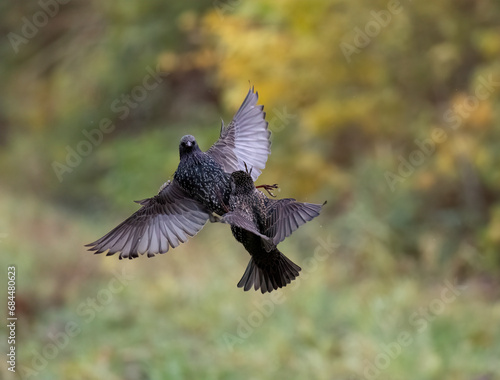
[[389, 110]]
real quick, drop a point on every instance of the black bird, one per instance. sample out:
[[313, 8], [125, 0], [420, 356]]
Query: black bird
[[260, 223], [200, 186]]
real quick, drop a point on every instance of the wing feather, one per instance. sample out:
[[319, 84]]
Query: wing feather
[[245, 140], [163, 222], [238, 218], [284, 216]]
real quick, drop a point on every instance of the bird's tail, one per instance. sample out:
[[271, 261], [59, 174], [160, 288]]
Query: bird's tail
[[269, 272]]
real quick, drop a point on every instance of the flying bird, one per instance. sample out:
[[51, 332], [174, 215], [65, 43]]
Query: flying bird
[[260, 224], [200, 186]]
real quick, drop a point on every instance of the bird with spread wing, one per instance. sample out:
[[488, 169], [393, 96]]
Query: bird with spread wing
[[260, 224], [200, 186]]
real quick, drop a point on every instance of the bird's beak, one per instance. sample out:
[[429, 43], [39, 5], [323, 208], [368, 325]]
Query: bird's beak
[[189, 143]]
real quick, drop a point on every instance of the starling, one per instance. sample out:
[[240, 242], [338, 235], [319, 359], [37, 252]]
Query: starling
[[260, 223], [200, 186]]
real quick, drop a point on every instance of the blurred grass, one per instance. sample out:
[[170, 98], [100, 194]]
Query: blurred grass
[[174, 315]]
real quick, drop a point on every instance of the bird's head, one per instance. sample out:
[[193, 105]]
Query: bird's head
[[241, 182], [187, 145]]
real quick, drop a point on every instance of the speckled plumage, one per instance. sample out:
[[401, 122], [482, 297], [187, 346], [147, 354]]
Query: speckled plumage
[[260, 223], [199, 187], [202, 177]]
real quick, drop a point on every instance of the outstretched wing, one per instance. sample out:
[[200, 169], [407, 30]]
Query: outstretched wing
[[245, 139], [165, 220], [237, 218], [286, 215]]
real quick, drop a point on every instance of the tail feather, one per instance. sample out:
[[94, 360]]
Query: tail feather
[[268, 274]]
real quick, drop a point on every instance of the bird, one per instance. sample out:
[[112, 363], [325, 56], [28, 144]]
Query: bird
[[260, 224], [200, 186]]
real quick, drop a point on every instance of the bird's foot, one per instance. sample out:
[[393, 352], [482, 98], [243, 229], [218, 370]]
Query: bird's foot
[[268, 188], [225, 207]]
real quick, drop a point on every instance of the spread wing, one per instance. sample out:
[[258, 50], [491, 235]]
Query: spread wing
[[245, 139], [238, 218], [165, 220], [286, 215]]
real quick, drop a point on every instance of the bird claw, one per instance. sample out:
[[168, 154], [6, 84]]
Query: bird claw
[[268, 188], [224, 206]]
